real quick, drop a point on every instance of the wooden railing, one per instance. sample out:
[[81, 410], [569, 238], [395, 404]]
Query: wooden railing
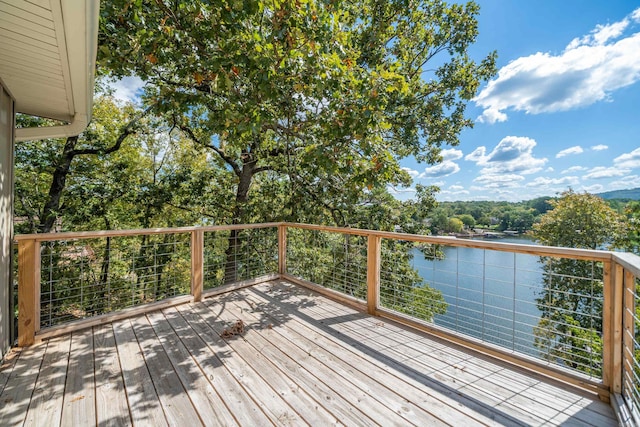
[[618, 373]]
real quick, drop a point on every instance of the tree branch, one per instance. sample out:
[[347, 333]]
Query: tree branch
[[127, 130], [262, 169], [236, 169]]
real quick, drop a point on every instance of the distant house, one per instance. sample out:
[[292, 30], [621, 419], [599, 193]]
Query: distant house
[[47, 62]]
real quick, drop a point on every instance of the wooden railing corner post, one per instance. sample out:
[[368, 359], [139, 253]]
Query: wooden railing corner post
[[628, 361], [282, 249], [197, 263], [373, 273], [615, 341], [28, 291], [611, 331]]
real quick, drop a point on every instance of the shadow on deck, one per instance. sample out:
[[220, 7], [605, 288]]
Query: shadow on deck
[[299, 359]]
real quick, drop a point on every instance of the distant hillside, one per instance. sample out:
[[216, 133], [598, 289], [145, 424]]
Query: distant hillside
[[631, 194]]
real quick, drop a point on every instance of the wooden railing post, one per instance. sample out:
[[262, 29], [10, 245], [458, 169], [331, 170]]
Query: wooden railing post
[[282, 249], [607, 323], [615, 341], [197, 263], [628, 355], [28, 291], [373, 273]]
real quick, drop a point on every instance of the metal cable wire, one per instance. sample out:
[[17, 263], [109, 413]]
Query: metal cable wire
[[333, 260]]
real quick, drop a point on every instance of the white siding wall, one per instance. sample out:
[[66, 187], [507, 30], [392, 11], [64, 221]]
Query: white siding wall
[[6, 212]]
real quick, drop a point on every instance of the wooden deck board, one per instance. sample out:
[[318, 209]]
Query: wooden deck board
[[79, 392], [444, 405], [458, 371], [295, 371], [273, 406], [301, 360], [209, 356], [16, 396], [173, 397], [305, 409], [509, 385], [144, 403], [112, 408], [6, 367], [210, 407], [45, 408], [358, 371]]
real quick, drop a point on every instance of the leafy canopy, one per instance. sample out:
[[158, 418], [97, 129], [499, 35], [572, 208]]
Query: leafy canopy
[[328, 95]]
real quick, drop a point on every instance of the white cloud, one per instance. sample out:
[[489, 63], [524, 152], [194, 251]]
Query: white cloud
[[451, 154], [572, 150], [127, 89], [549, 169], [396, 190], [445, 168], [599, 147], [412, 172], [512, 154], [595, 188], [499, 181], [587, 71], [630, 181], [456, 187], [600, 35], [628, 160], [476, 155], [458, 192], [600, 172], [574, 169], [545, 182], [491, 116]]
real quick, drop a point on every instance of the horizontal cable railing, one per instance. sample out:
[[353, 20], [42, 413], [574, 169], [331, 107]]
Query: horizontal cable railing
[[567, 313], [81, 278], [546, 308], [332, 260], [68, 277], [236, 255]]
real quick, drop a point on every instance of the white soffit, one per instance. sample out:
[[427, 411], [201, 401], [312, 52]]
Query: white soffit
[[47, 61]]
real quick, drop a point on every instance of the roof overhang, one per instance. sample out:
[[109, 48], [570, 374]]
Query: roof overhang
[[47, 61]]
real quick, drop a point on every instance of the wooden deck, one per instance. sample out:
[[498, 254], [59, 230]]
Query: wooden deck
[[302, 359]]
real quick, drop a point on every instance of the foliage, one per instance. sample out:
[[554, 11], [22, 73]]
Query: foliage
[[255, 111], [570, 328], [629, 240], [327, 96], [468, 220], [578, 220]]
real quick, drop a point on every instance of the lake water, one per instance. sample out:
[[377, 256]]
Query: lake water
[[491, 294]]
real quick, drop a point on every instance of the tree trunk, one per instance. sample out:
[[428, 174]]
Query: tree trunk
[[242, 196], [52, 206], [102, 292]]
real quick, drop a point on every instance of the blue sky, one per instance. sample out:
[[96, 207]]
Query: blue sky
[[563, 111]]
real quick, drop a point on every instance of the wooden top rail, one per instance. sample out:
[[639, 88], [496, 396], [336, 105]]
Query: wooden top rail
[[48, 237], [584, 254], [629, 261]]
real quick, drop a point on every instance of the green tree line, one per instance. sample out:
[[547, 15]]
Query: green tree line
[[255, 111]]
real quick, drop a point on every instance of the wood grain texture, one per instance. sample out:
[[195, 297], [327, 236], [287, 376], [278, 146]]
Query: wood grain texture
[[301, 359], [17, 393], [144, 404], [79, 394], [45, 408], [28, 291], [112, 408]]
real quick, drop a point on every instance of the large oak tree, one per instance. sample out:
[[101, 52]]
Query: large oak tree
[[325, 95]]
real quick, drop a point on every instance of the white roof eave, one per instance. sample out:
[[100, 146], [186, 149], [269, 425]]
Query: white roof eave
[[76, 29]]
